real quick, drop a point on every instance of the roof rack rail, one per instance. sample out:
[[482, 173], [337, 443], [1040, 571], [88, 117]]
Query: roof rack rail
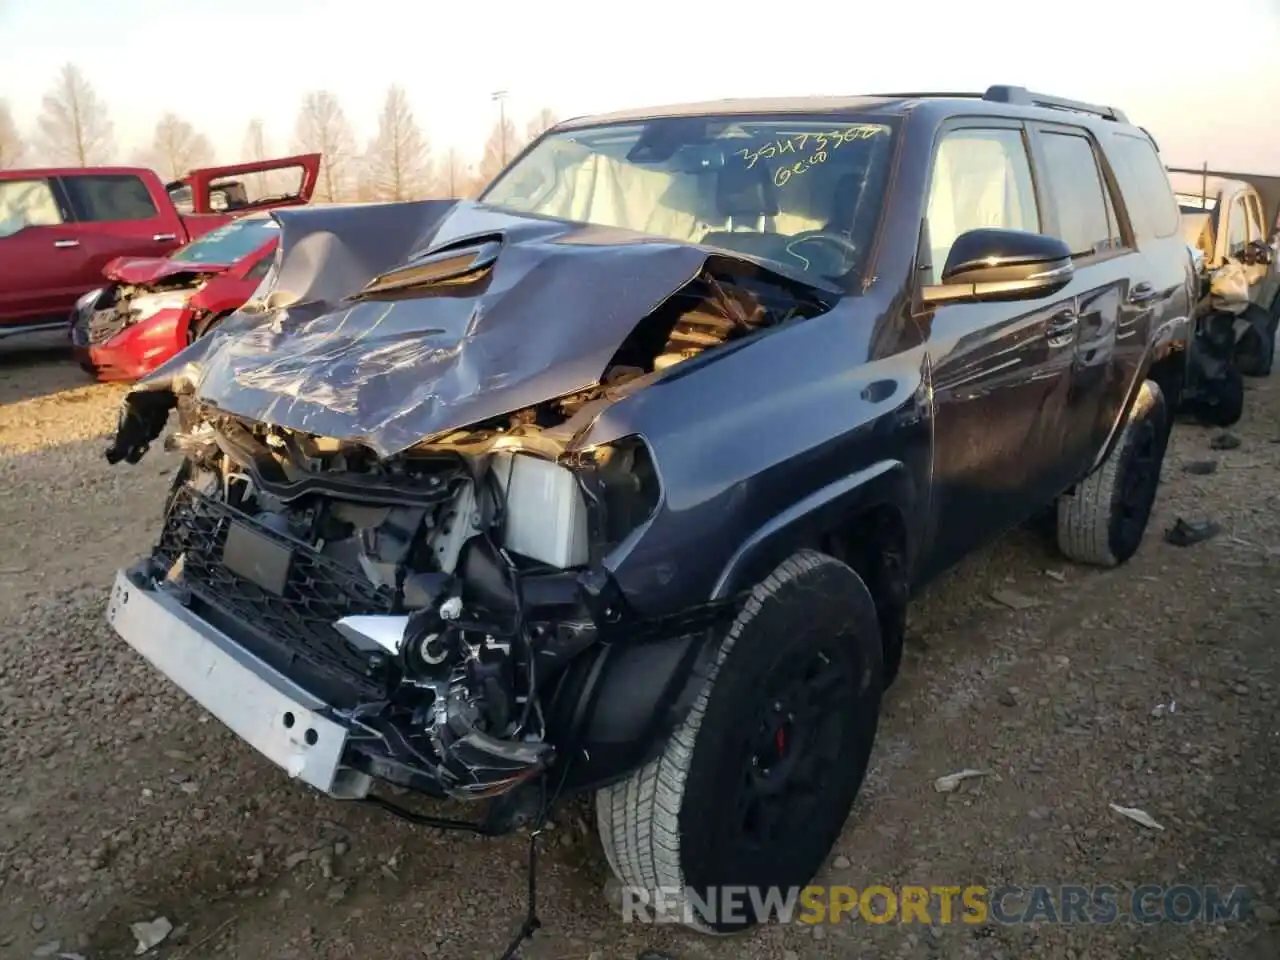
[[1019, 96], [936, 95], [1026, 98]]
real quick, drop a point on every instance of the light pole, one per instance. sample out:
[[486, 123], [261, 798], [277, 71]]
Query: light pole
[[501, 97]]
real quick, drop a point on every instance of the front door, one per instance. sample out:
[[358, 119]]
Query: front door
[[1000, 372], [39, 253]]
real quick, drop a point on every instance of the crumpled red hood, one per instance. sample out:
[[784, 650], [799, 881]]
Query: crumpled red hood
[[139, 270]]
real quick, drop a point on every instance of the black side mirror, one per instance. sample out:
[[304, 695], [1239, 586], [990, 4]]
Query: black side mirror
[[996, 264]]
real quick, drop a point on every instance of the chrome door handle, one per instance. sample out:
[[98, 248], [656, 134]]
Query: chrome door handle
[[164, 236], [1142, 293], [63, 244]]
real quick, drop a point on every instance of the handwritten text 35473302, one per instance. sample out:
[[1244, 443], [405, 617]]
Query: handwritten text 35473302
[[808, 149]]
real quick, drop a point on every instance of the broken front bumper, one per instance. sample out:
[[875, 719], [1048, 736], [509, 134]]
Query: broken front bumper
[[129, 352], [264, 708]]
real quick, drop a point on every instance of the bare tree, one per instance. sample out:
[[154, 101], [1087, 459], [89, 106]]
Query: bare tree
[[399, 158], [542, 121], [256, 149], [74, 127], [323, 128], [453, 174], [12, 148], [502, 145], [177, 148]]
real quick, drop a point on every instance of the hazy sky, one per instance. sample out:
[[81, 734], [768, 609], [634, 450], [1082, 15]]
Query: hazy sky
[[1202, 77]]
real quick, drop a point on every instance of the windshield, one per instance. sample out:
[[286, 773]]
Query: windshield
[[1189, 202], [230, 242], [801, 192]]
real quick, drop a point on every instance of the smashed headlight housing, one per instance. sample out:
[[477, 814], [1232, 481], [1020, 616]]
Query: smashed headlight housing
[[621, 480], [88, 300], [148, 305]]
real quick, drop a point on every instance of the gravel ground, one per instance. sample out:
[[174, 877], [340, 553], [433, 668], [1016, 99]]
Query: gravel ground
[[124, 803]]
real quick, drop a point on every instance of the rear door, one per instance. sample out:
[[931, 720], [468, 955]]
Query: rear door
[[1000, 371], [37, 252], [1162, 293], [116, 216], [1114, 313]]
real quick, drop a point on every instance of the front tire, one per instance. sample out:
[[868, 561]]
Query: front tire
[[754, 787], [204, 326], [1103, 520]]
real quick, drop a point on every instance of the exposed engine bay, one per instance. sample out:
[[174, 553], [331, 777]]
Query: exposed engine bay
[[434, 595], [388, 496]]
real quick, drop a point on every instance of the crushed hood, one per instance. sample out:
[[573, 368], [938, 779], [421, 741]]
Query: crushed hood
[[390, 323], [144, 270]]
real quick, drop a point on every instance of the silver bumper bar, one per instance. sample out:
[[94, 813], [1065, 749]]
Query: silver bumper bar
[[259, 704]]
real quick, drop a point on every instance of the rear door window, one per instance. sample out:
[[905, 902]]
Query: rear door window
[[27, 203], [1144, 184], [1237, 227], [1085, 216], [981, 178], [106, 198]]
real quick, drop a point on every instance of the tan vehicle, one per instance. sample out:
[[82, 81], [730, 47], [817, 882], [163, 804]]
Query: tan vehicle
[[1233, 216], [1231, 220]]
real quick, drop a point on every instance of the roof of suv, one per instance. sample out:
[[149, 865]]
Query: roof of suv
[[996, 99]]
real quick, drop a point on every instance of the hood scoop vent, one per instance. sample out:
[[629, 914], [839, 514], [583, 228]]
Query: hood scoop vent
[[458, 263]]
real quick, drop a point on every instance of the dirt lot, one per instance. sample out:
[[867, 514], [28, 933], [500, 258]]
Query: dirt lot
[[123, 803]]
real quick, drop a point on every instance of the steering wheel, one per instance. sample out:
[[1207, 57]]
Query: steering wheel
[[846, 249]]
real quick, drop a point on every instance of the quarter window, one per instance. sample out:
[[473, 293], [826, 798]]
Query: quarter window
[[981, 178], [1085, 221], [27, 203], [110, 197], [1144, 184]]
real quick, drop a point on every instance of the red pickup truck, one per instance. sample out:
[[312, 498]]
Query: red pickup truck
[[60, 227]]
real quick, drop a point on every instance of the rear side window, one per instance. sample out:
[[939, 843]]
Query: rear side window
[[27, 203], [109, 197], [981, 178], [1145, 187], [1086, 222]]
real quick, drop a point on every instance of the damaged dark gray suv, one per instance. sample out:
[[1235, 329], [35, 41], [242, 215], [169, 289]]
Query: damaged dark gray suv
[[619, 478]]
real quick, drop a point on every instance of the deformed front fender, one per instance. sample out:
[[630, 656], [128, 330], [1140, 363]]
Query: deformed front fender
[[807, 522], [616, 709]]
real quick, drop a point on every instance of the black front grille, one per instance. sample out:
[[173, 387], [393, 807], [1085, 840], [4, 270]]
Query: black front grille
[[299, 622]]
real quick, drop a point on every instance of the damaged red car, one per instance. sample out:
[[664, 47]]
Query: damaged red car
[[153, 307]]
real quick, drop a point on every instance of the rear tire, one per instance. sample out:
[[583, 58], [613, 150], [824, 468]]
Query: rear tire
[[754, 787], [1103, 520]]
